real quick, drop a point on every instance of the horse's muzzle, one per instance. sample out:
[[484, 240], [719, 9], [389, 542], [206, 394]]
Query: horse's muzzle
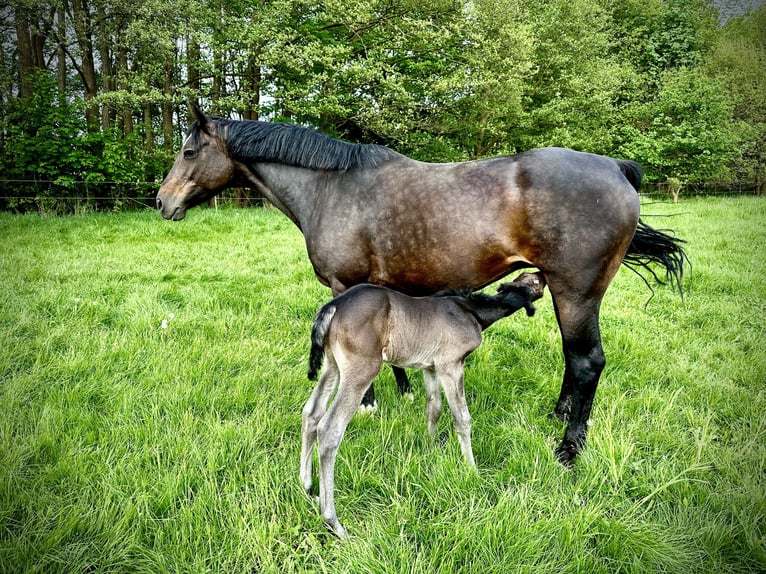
[[174, 212]]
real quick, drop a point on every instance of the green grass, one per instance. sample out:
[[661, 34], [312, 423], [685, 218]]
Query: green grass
[[128, 447]]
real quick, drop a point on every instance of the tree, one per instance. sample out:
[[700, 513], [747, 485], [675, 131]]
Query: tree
[[569, 98], [660, 81], [739, 60], [685, 132]]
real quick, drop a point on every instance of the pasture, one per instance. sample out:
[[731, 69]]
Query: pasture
[[153, 375]]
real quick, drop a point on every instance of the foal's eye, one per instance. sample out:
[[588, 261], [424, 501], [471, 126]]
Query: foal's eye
[[189, 154]]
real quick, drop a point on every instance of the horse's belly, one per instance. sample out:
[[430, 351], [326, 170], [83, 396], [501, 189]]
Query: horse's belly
[[420, 357], [424, 274]]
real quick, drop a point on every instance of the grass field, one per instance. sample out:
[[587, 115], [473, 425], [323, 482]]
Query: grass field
[[153, 374]]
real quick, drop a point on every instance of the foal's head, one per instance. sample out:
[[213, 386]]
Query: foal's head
[[533, 285]]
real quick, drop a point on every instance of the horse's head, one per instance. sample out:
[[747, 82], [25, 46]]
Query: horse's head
[[532, 284], [202, 169]]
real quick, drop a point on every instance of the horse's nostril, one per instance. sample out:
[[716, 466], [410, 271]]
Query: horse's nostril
[[159, 204]]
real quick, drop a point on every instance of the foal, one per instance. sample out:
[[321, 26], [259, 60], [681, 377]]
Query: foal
[[368, 325]]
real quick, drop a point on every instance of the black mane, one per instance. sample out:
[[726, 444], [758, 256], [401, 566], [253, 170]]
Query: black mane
[[297, 146]]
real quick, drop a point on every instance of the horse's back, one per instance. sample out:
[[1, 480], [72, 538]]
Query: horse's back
[[423, 227]]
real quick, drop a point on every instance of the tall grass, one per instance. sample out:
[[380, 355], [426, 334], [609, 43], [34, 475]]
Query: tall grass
[[153, 376]]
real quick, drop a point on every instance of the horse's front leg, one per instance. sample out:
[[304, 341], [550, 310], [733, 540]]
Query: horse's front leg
[[433, 400], [403, 383], [451, 378], [370, 404]]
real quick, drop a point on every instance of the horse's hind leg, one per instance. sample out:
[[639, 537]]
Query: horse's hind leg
[[584, 357], [354, 382], [313, 412]]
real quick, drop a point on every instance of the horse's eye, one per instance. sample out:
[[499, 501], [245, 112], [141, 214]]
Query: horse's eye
[[189, 154]]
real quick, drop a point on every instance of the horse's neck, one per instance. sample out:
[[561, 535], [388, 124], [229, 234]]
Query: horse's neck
[[486, 309], [292, 190]]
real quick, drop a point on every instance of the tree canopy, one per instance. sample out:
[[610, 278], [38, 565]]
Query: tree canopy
[[96, 91]]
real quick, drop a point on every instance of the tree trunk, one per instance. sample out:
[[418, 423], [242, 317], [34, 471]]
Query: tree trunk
[[219, 87], [83, 32], [26, 60], [148, 130], [167, 104], [61, 50], [107, 71], [253, 87], [126, 113]]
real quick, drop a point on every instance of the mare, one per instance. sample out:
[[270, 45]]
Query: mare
[[372, 215]]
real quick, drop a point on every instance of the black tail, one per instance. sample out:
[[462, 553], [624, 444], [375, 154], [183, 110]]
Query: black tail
[[632, 172], [651, 245], [318, 335], [654, 246]]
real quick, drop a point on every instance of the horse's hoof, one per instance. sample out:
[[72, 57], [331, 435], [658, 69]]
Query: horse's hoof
[[367, 409], [337, 529], [566, 453], [410, 396]]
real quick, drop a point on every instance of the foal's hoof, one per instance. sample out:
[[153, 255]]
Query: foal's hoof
[[367, 409], [410, 395], [337, 529]]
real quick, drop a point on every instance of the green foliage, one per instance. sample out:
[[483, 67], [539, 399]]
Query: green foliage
[[49, 153], [660, 81], [569, 99], [739, 60], [685, 132], [129, 447]]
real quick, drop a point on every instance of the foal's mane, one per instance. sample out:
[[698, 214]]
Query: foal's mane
[[296, 146]]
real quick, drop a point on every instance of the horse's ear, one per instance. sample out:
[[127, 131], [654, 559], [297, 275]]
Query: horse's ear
[[199, 116]]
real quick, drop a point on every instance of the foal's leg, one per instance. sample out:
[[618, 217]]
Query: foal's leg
[[354, 382], [451, 377], [433, 400], [315, 408]]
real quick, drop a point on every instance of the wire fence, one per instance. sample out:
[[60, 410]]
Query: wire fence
[[55, 197]]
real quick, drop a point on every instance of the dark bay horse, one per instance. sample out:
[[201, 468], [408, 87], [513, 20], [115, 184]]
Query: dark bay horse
[[372, 215]]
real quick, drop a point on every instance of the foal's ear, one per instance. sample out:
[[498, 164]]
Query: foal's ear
[[199, 116]]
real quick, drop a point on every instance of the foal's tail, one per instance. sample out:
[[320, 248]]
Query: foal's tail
[[318, 336], [651, 245]]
